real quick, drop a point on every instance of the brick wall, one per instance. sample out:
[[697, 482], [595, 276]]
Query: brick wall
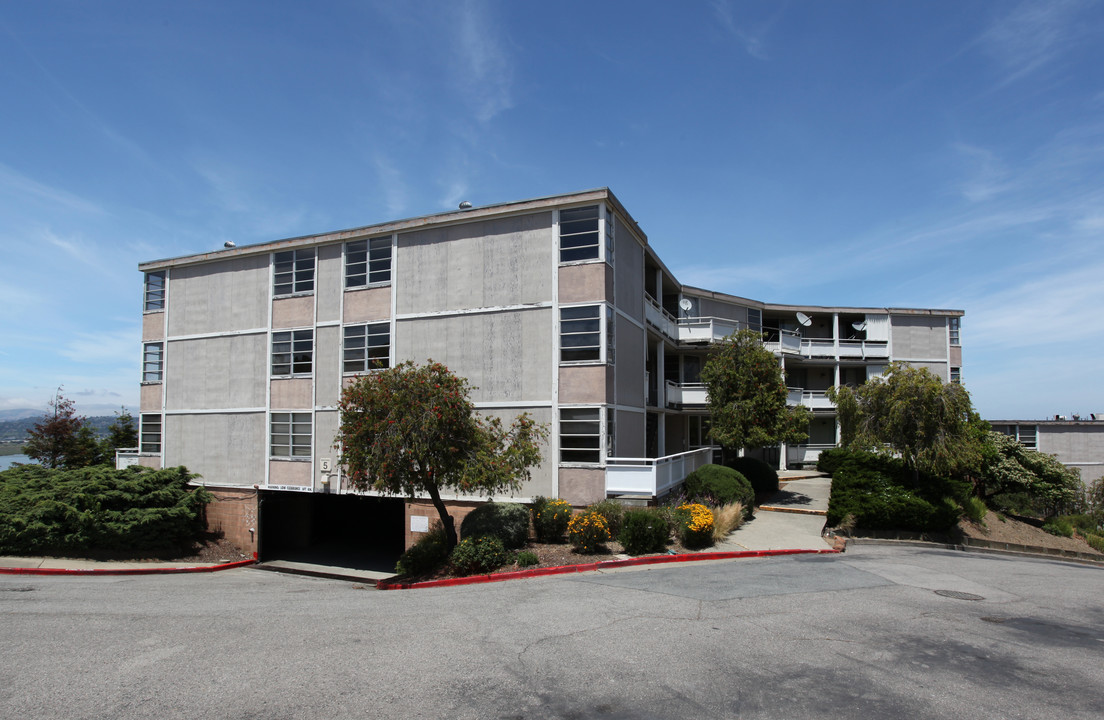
[[234, 513], [458, 510]]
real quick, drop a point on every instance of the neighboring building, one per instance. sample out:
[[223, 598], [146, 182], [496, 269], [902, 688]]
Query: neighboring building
[[1076, 442], [556, 306]]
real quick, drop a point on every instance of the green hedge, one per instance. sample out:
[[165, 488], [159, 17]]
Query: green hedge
[[509, 522], [426, 555], [719, 485], [763, 478], [644, 531], [99, 509]]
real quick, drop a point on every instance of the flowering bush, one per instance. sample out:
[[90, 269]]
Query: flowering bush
[[588, 532], [695, 525], [550, 518]]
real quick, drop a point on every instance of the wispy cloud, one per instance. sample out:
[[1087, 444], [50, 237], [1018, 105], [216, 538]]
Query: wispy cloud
[[752, 37], [396, 193], [986, 174], [484, 70], [1031, 35], [19, 185], [118, 347]]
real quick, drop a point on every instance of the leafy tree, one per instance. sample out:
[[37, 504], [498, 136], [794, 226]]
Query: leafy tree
[[1009, 468], [413, 430], [931, 424], [120, 434], [747, 396], [55, 441]]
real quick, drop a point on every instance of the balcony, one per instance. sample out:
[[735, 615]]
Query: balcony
[[682, 395], [652, 477], [663, 321], [812, 399], [863, 349], [799, 455], [706, 329], [785, 341]]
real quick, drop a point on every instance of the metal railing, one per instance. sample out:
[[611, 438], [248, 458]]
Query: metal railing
[[812, 399], [653, 476], [683, 394]]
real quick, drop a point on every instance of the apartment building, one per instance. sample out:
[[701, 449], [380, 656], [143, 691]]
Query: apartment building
[[555, 306], [1077, 442]]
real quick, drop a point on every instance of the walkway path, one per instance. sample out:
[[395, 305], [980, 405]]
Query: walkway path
[[792, 519]]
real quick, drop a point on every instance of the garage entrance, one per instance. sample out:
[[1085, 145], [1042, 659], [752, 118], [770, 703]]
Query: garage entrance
[[352, 531]]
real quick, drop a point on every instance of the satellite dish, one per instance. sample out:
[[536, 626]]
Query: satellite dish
[[804, 319], [860, 326], [685, 304]]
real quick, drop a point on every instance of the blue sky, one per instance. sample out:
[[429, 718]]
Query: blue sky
[[902, 154]]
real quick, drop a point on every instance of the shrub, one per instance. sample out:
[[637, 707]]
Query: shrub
[[1096, 542], [509, 522], [720, 484], [830, 459], [727, 518], [426, 555], [526, 558], [550, 518], [588, 532], [695, 525], [763, 478], [975, 510], [644, 531], [877, 502], [96, 509], [612, 511], [1059, 526], [478, 555]]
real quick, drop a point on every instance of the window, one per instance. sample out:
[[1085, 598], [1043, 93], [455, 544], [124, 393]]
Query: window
[[1027, 435], [579, 234], [294, 272], [755, 318], [956, 375], [610, 241], [151, 434], [954, 326], [610, 334], [581, 331], [152, 362], [155, 291], [699, 431], [368, 262], [580, 435], [292, 352], [291, 434], [367, 347]]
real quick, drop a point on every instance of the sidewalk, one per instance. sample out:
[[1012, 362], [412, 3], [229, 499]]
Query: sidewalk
[[77, 566], [792, 519]]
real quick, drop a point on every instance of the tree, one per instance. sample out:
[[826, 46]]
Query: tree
[[55, 442], [120, 434], [413, 430], [1009, 468], [929, 423], [747, 396]]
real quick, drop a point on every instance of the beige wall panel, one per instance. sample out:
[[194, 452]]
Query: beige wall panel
[[541, 477], [1090, 474], [150, 401], [221, 372], [628, 260], [368, 305], [325, 430], [226, 449], [918, 336], [1072, 443], [582, 486], [291, 394], [956, 355], [327, 365], [290, 472], [293, 312], [583, 384], [630, 364], [629, 440], [329, 282], [504, 354], [592, 282], [940, 370], [153, 326], [150, 461], [507, 261], [219, 296]]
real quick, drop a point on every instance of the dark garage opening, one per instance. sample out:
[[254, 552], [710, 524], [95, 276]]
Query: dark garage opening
[[351, 531]]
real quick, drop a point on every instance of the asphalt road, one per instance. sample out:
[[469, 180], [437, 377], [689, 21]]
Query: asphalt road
[[861, 635]]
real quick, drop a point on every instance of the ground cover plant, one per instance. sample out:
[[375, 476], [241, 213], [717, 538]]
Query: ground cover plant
[[718, 485], [509, 522], [99, 509]]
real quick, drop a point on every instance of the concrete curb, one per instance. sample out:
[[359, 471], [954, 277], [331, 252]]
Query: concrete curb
[[589, 567], [125, 571], [796, 511], [1024, 551]]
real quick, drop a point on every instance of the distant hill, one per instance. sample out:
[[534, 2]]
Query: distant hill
[[20, 413], [16, 430]]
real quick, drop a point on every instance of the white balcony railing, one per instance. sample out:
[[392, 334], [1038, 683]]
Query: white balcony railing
[[664, 321], [687, 394], [812, 399], [652, 476], [863, 348], [706, 329], [805, 454]]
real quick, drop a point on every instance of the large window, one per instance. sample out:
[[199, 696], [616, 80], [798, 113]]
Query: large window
[[954, 330], [294, 272], [580, 435], [366, 347], [150, 433], [956, 375], [152, 366], [579, 234], [368, 262], [291, 434], [155, 291], [581, 331], [292, 352]]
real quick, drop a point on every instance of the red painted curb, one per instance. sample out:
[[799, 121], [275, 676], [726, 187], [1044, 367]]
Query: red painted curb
[[603, 565], [124, 571]]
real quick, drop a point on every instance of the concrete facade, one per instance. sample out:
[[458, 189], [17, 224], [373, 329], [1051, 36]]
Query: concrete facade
[[555, 306]]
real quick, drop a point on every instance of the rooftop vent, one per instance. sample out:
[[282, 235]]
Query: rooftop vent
[[465, 205], [229, 244]]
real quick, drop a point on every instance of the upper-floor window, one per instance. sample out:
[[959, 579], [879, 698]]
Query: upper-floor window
[[755, 318], [956, 375], [155, 291], [291, 434], [581, 333], [366, 347], [152, 362], [581, 435], [150, 433], [368, 262], [292, 352], [294, 272], [579, 234], [954, 328]]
